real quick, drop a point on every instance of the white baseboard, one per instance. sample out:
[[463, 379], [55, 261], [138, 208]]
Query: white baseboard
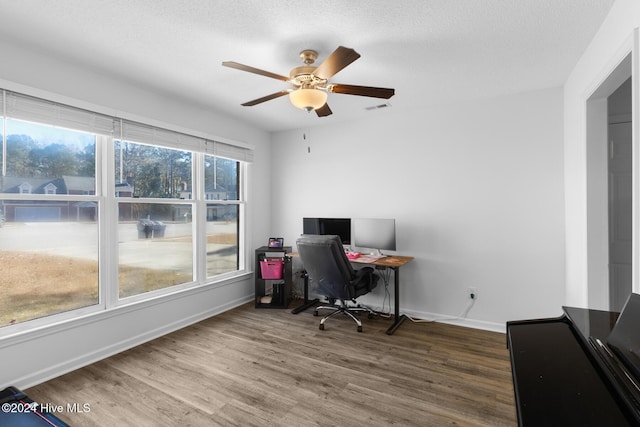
[[458, 321]]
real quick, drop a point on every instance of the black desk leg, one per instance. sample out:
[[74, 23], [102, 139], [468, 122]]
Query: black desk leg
[[397, 317], [307, 303]]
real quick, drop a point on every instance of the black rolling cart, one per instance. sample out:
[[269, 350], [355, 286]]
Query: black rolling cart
[[273, 278]]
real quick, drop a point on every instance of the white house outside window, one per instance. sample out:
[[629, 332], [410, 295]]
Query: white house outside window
[[25, 188]]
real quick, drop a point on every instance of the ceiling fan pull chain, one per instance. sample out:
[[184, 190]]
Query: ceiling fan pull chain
[[304, 136]]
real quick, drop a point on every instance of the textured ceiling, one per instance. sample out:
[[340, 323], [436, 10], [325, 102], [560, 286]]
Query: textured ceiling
[[430, 51]]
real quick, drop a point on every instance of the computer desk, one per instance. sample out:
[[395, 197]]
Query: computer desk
[[393, 262]]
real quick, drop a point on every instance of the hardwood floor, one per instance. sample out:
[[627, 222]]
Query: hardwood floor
[[259, 367]]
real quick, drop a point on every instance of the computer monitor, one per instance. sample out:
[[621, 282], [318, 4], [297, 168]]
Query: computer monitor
[[328, 226], [374, 233]]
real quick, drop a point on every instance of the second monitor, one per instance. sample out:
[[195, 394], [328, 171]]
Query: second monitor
[[374, 233]]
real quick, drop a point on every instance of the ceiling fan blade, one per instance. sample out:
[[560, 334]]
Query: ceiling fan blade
[[339, 59], [374, 92], [266, 98], [249, 69], [324, 111]]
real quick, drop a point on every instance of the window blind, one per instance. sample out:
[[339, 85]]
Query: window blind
[[29, 108], [24, 107], [147, 134], [228, 151]]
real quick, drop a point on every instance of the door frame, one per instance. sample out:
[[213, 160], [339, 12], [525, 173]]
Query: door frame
[[623, 65]]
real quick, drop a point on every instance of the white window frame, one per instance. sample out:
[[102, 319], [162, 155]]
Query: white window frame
[[105, 198]]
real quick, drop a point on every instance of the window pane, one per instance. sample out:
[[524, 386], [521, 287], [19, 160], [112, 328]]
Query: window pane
[[222, 239], [149, 171], [221, 179], [155, 246], [49, 258], [44, 159]]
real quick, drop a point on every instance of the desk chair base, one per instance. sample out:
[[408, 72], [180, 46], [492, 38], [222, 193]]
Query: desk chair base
[[344, 309]]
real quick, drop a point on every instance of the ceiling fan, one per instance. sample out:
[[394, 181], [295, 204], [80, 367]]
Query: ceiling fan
[[310, 84]]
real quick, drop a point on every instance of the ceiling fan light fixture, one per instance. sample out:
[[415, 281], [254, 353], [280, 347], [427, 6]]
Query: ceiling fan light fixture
[[309, 84], [308, 99]]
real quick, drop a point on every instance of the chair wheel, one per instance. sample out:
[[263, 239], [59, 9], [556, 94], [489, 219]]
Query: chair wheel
[[321, 327], [359, 328], [315, 312]]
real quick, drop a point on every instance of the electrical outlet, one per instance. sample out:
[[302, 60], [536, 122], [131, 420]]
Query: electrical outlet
[[473, 293]]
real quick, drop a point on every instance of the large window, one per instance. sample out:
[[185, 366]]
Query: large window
[[155, 240], [222, 239], [155, 251], [152, 172], [79, 187], [49, 236], [222, 186]]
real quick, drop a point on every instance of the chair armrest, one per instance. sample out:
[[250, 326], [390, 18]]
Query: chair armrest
[[364, 280], [362, 272]]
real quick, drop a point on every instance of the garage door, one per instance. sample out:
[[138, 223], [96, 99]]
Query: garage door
[[32, 214]]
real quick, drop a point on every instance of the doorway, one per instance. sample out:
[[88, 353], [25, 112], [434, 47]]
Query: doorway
[[620, 185], [610, 152]]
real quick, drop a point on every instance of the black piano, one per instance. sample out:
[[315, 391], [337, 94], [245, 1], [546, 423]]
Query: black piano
[[580, 369]]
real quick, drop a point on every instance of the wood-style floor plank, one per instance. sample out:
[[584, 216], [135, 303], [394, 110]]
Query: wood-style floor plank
[[258, 367]]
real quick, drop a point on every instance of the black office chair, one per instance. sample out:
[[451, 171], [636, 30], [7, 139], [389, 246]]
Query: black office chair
[[328, 267]]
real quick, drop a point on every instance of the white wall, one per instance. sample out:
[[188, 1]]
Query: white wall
[[476, 189], [613, 42], [39, 355]]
